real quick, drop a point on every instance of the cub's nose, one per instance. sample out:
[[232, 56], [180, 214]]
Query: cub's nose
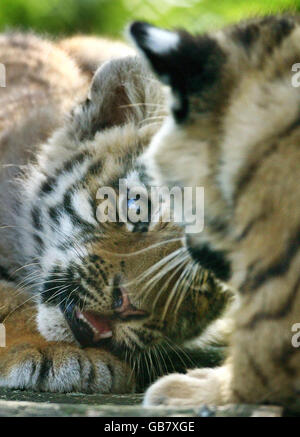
[[117, 299]]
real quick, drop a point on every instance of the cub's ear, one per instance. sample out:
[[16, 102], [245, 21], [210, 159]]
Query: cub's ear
[[122, 91], [159, 46], [187, 63]]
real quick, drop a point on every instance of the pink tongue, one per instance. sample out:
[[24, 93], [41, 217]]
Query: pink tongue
[[101, 324]]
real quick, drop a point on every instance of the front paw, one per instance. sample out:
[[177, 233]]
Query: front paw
[[63, 368], [197, 387]]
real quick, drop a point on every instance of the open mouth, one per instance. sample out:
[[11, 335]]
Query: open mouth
[[91, 328]]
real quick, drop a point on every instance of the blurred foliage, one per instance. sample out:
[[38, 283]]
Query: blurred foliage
[[110, 17]]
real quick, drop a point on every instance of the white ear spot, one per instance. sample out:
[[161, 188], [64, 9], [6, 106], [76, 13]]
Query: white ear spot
[[161, 41]]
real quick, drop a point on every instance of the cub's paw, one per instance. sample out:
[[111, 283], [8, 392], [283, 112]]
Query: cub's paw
[[63, 368], [197, 387]]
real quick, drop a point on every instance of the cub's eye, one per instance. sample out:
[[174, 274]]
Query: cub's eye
[[133, 205], [139, 212]]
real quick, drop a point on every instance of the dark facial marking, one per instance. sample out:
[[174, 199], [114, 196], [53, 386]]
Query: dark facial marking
[[246, 35], [49, 185], [4, 274], [76, 220], [282, 28], [212, 260], [51, 182], [54, 214], [36, 218], [40, 242]]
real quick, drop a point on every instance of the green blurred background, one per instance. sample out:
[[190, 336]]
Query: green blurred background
[[109, 17]]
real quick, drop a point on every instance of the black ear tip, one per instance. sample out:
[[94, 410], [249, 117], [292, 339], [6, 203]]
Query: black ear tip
[[138, 31], [138, 28]]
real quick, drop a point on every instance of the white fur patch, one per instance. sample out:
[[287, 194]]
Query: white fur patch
[[52, 324], [82, 206], [161, 41]]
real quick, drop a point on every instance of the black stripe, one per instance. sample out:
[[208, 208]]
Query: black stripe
[[4, 275], [279, 28], [54, 292], [278, 268], [94, 258], [78, 159], [249, 275], [94, 169], [111, 371], [253, 168], [246, 35], [248, 228], [36, 218], [251, 171], [92, 375], [52, 286], [212, 260], [46, 366], [257, 370], [217, 225], [49, 185], [275, 315], [52, 181], [75, 218], [139, 334], [282, 28], [246, 231], [95, 270], [92, 282], [54, 214], [39, 243], [82, 294]]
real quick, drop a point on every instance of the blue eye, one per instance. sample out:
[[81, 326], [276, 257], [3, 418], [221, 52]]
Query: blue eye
[[140, 209], [132, 204]]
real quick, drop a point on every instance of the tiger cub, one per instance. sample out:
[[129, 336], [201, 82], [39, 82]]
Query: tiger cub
[[86, 303], [234, 129]]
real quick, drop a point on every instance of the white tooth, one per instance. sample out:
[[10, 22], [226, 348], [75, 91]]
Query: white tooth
[[95, 331], [81, 317], [106, 334]]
